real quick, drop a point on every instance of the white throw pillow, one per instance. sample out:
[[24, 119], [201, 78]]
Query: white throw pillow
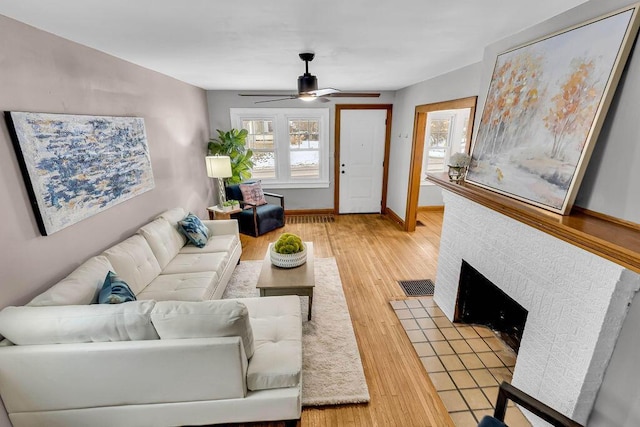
[[129, 321], [81, 287], [203, 319]]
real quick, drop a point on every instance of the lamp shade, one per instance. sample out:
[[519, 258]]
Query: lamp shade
[[218, 166]]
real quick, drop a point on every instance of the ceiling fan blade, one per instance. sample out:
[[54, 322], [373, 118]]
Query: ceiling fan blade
[[354, 95], [277, 99], [324, 92], [272, 95]]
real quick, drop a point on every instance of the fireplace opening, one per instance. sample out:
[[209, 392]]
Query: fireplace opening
[[483, 303]]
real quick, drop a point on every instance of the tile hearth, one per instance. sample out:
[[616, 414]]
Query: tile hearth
[[466, 364]]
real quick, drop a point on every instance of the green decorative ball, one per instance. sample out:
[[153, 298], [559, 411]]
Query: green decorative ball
[[289, 243]]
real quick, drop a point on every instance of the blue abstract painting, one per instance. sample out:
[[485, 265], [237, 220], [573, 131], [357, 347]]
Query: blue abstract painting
[[76, 166]]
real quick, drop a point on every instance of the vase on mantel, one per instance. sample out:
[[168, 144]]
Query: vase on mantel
[[456, 173]]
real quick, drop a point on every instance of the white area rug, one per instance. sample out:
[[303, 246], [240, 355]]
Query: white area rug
[[331, 367]]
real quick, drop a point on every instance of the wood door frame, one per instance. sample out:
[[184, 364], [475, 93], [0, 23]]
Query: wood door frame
[[417, 149], [387, 150]]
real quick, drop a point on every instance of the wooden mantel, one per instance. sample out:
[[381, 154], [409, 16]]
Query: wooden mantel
[[608, 237]]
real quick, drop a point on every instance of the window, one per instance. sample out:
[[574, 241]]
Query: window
[[446, 134], [290, 145], [260, 141]]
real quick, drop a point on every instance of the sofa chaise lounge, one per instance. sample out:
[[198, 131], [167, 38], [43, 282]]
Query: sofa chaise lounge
[[176, 356]]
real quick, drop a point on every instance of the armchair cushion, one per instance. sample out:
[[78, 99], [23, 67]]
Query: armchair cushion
[[268, 217], [489, 421], [253, 194]]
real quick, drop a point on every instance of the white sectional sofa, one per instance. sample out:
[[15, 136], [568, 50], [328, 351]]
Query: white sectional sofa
[[176, 356]]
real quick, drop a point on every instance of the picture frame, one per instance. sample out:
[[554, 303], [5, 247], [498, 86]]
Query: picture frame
[[75, 166], [545, 106]]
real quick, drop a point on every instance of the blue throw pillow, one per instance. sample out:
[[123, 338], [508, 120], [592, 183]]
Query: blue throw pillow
[[195, 230], [115, 290]]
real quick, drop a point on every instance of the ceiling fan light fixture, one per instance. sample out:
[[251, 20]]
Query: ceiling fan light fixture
[[307, 83], [308, 88]]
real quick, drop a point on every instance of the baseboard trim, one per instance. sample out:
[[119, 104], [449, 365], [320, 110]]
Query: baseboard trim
[[394, 217], [309, 212], [431, 208]]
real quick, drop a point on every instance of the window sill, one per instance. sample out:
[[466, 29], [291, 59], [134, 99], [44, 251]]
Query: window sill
[[294, 185]]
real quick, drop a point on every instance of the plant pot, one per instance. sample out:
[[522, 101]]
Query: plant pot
[[227, 208], [288, 260], [456, 173]]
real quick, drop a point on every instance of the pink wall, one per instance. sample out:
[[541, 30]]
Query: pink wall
[[41, 72]]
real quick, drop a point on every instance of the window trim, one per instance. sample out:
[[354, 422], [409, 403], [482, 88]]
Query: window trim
[[281, 117]]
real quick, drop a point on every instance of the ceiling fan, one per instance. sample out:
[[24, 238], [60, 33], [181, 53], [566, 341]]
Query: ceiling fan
[[308, 88]]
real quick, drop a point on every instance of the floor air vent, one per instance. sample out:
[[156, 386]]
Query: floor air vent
[[309, 219], [417, 288]]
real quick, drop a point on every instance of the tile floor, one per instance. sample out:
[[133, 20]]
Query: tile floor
[[465, 363]]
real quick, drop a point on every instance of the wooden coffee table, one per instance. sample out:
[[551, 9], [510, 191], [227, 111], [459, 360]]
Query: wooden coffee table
[[274, 281]]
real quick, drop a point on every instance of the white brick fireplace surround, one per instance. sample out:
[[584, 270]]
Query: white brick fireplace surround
[[576, 300]]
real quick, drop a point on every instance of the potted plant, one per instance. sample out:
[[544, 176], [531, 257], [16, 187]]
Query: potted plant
[[288, 251], [233, 144], [458, 164], [235, 204], [227, 206]]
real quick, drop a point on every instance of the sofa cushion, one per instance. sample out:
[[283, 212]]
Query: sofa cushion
[[194, 230], [181, 287], [164, 239], [173, 215], [133, 260], [81, 287], [115, 290], [78, 323], [224, 243], [204, 319], [195, 263], [277, 338]]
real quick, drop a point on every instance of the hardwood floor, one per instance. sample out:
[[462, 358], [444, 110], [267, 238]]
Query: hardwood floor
[[372, 253]]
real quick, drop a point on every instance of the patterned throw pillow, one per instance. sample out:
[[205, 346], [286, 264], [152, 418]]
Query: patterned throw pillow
[[252, 193], [115, 290], [195, 230]]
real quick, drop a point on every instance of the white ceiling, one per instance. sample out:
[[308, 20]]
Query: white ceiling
[[254, 44]]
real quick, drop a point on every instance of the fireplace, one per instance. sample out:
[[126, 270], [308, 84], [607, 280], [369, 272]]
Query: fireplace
[[576, 301], [481, 302]]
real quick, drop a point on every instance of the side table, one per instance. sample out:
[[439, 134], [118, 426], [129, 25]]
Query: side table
[[217, 213]]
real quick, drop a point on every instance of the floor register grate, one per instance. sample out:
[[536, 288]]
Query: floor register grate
[[417, 288], [309, 219]]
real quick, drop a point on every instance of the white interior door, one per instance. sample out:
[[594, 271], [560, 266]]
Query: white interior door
[[362, 138]]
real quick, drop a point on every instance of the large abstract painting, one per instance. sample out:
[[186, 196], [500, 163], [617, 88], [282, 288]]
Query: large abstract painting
[[545, 106], [75, 166]]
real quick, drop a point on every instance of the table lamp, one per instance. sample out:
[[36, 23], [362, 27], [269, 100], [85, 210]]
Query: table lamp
[[219, 167]]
